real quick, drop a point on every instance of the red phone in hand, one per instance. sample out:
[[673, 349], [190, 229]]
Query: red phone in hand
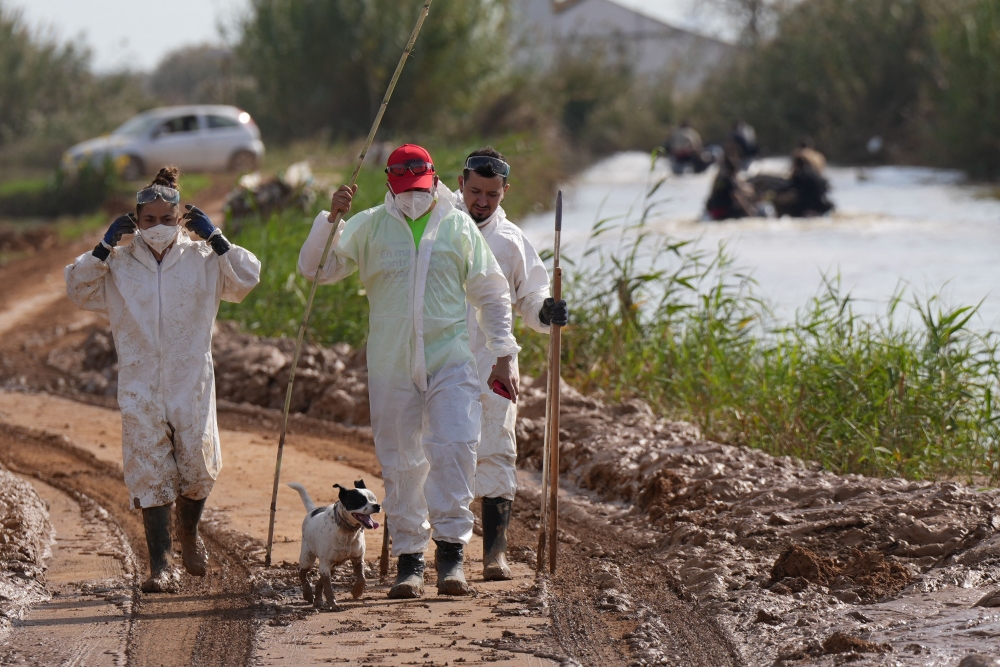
[[498, 388], [501, 390]]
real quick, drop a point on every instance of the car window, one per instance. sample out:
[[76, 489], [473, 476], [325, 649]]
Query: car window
[[215, 122], [137, 125], [179, 124]]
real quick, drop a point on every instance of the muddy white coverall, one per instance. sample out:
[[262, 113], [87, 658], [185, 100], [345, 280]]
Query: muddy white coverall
[[496, 474], [422, 378], [161, 317]]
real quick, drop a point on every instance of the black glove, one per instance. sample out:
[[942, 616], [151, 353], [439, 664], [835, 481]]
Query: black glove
[[123, 224], [199, 223], [554, 312]]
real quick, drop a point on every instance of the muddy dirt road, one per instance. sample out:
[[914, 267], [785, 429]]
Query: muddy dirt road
[[243, 614]]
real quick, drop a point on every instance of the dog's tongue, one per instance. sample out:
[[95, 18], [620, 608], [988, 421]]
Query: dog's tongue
[[367, 521]]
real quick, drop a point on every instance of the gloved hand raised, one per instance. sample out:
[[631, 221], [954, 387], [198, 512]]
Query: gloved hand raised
[[198, 222], [554, 312], [123, 224]]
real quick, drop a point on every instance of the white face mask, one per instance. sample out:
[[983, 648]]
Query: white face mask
[[414, 203], [160, 237]]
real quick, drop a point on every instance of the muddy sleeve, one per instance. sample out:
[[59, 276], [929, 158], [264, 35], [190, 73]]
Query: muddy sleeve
[[240, 273], [531, 286], [343, 259], [487, 291], [85, 282]]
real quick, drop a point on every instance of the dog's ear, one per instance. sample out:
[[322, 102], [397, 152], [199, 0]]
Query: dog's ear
[[360, 484], [338, 486]]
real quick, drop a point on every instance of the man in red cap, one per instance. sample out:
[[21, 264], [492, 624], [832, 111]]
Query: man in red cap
[[420, 259]]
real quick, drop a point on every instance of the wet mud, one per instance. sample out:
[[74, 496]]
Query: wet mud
[[210, 622], [773, 555], [25, 535]]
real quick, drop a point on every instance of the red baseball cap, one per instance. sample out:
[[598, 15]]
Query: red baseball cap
[[410, 181]]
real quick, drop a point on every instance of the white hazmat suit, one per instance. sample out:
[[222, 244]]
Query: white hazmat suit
[[422, 378], [161, 317], [528, 280]]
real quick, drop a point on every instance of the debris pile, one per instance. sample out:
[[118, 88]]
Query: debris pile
[[254, 193], [330, 383], [24, 543]]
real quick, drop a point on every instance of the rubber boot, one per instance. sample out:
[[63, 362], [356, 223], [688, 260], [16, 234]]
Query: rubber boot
[[496, 518], [193, 550], [448, 560], [409, 577], [162, 578]]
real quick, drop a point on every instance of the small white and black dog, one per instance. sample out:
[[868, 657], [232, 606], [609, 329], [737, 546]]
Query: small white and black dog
[[334, 535]]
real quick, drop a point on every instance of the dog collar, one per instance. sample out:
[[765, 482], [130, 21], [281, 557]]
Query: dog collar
[[342, 522]]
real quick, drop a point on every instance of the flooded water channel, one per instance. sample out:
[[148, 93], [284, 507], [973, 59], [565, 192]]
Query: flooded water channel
[[924, 230]]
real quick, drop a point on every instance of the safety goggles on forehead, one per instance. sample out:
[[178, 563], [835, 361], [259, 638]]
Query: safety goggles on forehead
[[415, 167], [150, 194], [479, 163]]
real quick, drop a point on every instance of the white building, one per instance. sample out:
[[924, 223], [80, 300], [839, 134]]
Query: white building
[[655, 47]]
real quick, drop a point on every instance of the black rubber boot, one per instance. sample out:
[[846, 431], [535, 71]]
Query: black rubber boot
[[162, 578], [409, 577], [193, 550], [496, 518], [448, 560]]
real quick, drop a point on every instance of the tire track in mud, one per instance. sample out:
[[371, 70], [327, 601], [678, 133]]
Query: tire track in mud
[[210, 622], [638, 620]]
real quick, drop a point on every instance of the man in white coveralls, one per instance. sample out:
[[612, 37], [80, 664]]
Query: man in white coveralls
[[420, 260], [481, 189]]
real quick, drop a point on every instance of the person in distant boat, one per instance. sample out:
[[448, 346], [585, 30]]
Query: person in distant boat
[[685, 149], [807, 196], [743, 141], [730, 197]]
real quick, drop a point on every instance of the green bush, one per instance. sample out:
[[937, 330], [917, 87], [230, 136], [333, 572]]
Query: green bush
[[967, 98], [61, 194]]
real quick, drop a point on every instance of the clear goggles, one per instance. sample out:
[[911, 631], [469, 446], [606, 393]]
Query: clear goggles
[[481, 163], [415, 167], [150, 194]]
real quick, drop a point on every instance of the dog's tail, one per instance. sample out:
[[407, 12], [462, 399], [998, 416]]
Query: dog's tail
[[304, 495]]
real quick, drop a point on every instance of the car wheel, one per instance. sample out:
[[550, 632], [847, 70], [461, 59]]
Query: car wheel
[[133, 169], [243, 162]]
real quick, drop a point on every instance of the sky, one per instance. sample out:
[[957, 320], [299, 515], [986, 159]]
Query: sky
[[136, 34]]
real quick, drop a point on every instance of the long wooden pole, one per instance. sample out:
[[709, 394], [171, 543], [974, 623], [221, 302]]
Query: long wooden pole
[[549, 529], [322, 263]]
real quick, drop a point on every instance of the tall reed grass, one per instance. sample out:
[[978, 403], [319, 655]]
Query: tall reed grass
[[911, 393]]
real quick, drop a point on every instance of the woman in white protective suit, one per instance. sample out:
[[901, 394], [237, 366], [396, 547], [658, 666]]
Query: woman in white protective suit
[[419, 260], [161, 293], [482, 186]]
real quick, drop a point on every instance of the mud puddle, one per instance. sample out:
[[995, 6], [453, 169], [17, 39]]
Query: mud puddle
[[89, 577]]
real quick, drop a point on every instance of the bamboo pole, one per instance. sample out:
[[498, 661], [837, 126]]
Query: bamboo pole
[[383, 568], [322, 263], [549, 529]]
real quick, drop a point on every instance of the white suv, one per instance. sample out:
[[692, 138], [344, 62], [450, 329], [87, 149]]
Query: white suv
[[192, 138]]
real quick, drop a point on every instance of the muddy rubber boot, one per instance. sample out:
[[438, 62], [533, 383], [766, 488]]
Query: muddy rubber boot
[[496, 518], [448, 560], [162, 578], [193, 550], [409, 577]]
